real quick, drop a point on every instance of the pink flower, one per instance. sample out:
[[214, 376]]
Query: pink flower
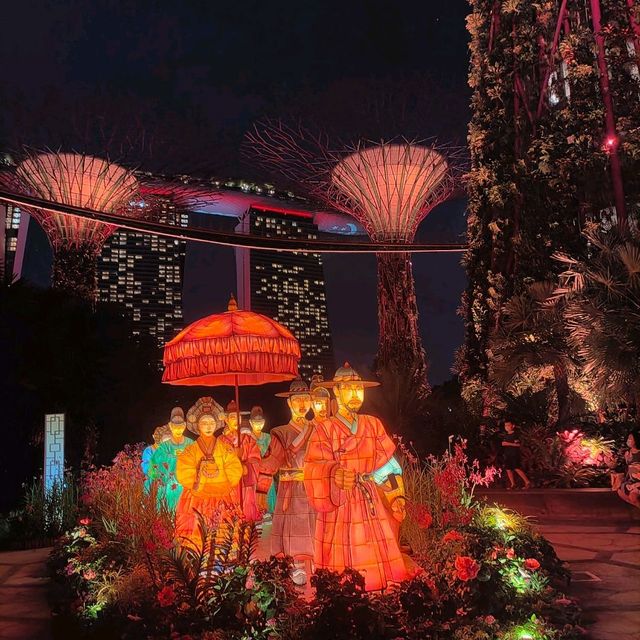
[[85, 521], [490, 620], [511, 554], [89, 574], [166, 596], [466, 568], [531, 564], [453, 536], [69, 570]]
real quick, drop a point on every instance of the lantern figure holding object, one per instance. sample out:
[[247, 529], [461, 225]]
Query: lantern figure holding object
[[354, 482], [293, 529], [209, 471]]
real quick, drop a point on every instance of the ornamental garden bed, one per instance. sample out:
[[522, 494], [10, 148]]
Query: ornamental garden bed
[[480, 572]]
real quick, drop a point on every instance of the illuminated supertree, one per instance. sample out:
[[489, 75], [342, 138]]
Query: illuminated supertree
[[81, 181], [389, 187]]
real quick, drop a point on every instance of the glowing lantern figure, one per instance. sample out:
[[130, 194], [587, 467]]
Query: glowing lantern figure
[[80, 181], [266, 490], [249, 455], [355, 484], [162, 470], [208, 470], [293, 518], [160, 435], [390, 188]]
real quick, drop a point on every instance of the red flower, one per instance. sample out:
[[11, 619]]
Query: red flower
[[531, 564], [511, 554], [453, 536], [423, 516], [166, 596], [85, 521], [466, 568], [150, 546]]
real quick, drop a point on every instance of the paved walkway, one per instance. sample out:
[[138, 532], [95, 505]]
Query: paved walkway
[[605, 563], [24, 611]]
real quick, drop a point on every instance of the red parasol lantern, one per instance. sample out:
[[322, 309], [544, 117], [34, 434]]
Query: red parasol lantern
[[232, 348]]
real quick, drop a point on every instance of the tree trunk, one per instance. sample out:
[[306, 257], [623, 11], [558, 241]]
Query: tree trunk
[[562, 392], [400, 350]]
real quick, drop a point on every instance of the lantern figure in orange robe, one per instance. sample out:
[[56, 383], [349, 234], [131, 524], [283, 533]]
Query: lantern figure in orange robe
[[208, 470], [349, 459], [249, 455], [293, 526]]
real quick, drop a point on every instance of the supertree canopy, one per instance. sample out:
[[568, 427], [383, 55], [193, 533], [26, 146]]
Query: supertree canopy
[[81, 181], [389, 187]]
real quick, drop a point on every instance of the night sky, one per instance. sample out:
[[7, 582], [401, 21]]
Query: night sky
[[182, 81]]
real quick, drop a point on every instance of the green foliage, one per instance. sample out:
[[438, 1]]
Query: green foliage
[[44, 516], [601, 297], [538, 166]]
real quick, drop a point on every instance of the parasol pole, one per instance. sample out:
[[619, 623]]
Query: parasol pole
[[238, 408]]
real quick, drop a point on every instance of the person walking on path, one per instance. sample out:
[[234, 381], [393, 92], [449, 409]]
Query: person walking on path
[[512, 456]]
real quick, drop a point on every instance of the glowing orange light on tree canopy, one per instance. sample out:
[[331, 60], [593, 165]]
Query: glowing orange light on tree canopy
[[234, 347], [81, 181], [390, 188]]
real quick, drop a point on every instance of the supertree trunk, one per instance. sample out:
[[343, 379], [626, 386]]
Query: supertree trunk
[[400, 351], [75, 270]]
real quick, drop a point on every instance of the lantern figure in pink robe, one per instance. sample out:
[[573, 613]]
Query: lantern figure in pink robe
[[354, 482]]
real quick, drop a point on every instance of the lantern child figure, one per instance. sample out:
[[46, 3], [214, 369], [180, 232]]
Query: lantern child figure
[[249, 455], [208, 470], [265, 489], [350, 456], [164, 460], [293, 518], [160, 434]]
